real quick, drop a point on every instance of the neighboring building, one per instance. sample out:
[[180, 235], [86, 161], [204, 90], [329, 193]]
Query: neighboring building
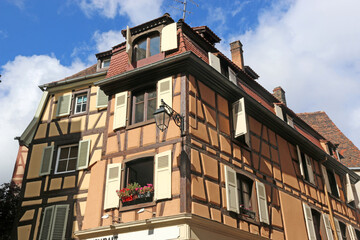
[[244, 166], [348, 153], [18, 173]]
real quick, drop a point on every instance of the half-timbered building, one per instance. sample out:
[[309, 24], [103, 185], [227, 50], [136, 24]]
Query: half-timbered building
[[232, 162]]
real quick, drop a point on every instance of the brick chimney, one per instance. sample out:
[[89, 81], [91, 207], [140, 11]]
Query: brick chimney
[[237, 53], [279, 93]]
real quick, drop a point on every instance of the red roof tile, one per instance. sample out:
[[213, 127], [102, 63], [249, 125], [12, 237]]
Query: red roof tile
[[321, 122]]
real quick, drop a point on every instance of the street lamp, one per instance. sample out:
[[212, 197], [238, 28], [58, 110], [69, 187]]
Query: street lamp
[[164, 113]]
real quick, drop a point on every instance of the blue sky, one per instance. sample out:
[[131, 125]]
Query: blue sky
[[310, 48]]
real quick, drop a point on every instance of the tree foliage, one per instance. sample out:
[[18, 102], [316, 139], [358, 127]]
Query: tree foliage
[[9, 199]]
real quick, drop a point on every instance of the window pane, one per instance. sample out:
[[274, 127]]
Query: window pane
[[72, 164], [140, 98], [106, 63], [84, 99], [141, 50], [64, 153], [152, 94], [78, 109], [83, 109], [79, 99], [139, 112], [151, 108], [74, 152], [154, 45], [62, 166]]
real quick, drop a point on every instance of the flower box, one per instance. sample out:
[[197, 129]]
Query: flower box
[[135, 194], [247, 213]]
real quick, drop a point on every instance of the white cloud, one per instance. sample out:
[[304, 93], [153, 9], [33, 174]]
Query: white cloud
[[106, 40], [19, 3], [19, 97], [137, 11], [311, 49], [3, 34]]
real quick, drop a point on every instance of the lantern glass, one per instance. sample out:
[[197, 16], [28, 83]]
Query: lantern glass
[[162, 118]]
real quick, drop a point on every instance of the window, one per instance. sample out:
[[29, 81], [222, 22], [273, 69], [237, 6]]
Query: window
[[244, 185], [105, 63], [147, 46], [316, 220], [67, 158], [80, 103], [143, 105], [342, 229], [333, 184], [54, 222], [306, 168]]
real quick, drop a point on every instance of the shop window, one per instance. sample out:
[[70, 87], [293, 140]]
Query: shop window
[[143, 105], [147, 46]]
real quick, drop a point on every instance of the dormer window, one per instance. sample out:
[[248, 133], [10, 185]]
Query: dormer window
[[147, 46], [105, 63]]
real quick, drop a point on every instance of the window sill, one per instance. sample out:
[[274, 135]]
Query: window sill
[[137, 206], [309, 183], [140, 124], [78, 114]]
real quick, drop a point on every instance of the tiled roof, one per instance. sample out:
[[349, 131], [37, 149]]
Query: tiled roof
[[86, 71], [321, 122]]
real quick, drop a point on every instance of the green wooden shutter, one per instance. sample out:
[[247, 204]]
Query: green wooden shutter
[[113, 176], [59, 222], [349, 190], [120, 110], [338, 230], [162, 186], [309, 222], [278, 111], [232, 197], [164, 91], [300, 161], [262, 202], [46, 160], [63, 105], [214, 61], [101, 99], [169, 37], [46, 223], [83, 154], [310, 169], [327, 226], [232, 76], [239, 118]]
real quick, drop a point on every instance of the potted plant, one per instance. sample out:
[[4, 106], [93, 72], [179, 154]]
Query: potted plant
[[146, 191], [247, 212], [129, 193]]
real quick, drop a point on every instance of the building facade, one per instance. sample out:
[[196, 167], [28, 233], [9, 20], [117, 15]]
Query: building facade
[[241, 165]]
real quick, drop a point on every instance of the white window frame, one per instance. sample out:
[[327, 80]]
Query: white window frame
[[58, 156], [76, 102], [103, 63]]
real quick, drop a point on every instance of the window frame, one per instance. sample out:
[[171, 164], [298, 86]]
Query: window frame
[[132, 112], [74, 100], [333, 184], [147, 38], [58, 155], [103, 62], [77, 96]]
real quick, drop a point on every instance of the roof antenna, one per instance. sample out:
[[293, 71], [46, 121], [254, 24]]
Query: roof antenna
[[184, 2]]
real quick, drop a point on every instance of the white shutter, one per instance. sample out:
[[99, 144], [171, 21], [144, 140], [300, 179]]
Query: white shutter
[[83, 154], [113, 176], [300, 161], [46, 223], [232, 198], [349, 190], [326, 178], [120, 110], [351, 232], [128, 44], [290, 121], [327, 225], [337, 228], [232, 76], [63, 105], [239, 118], [59, 222], [46, 160], [214, 61], [262, 202], [310, 169], [101, 99], [278, 111], [164, 91], [309, 222], [163, 163], [357, 190], [169, 37]]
